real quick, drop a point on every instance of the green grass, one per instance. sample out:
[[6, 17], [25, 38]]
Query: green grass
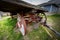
[[7, 31], [55, 21], [38, 34]]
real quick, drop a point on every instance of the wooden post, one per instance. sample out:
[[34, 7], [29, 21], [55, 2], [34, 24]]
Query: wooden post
[[1, 14], [50, 9]]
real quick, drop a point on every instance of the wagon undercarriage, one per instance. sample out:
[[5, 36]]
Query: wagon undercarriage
[[26, 13], [31, 18]]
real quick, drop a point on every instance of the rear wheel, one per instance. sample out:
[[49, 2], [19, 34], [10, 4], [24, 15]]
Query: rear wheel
[[44, 18]]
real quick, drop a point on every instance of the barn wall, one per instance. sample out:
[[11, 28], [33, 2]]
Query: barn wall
[[59, 11], [54, 9], [51, 9], [47, 7]]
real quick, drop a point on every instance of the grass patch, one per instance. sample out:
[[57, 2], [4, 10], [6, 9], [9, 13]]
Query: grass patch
[[39, 34], [54, 20], [7, 30]]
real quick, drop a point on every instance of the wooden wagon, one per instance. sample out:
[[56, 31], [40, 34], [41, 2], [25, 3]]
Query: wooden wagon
[[26, 13]]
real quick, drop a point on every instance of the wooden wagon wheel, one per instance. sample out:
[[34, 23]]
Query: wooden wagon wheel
[[44, 18], [43, 15]]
